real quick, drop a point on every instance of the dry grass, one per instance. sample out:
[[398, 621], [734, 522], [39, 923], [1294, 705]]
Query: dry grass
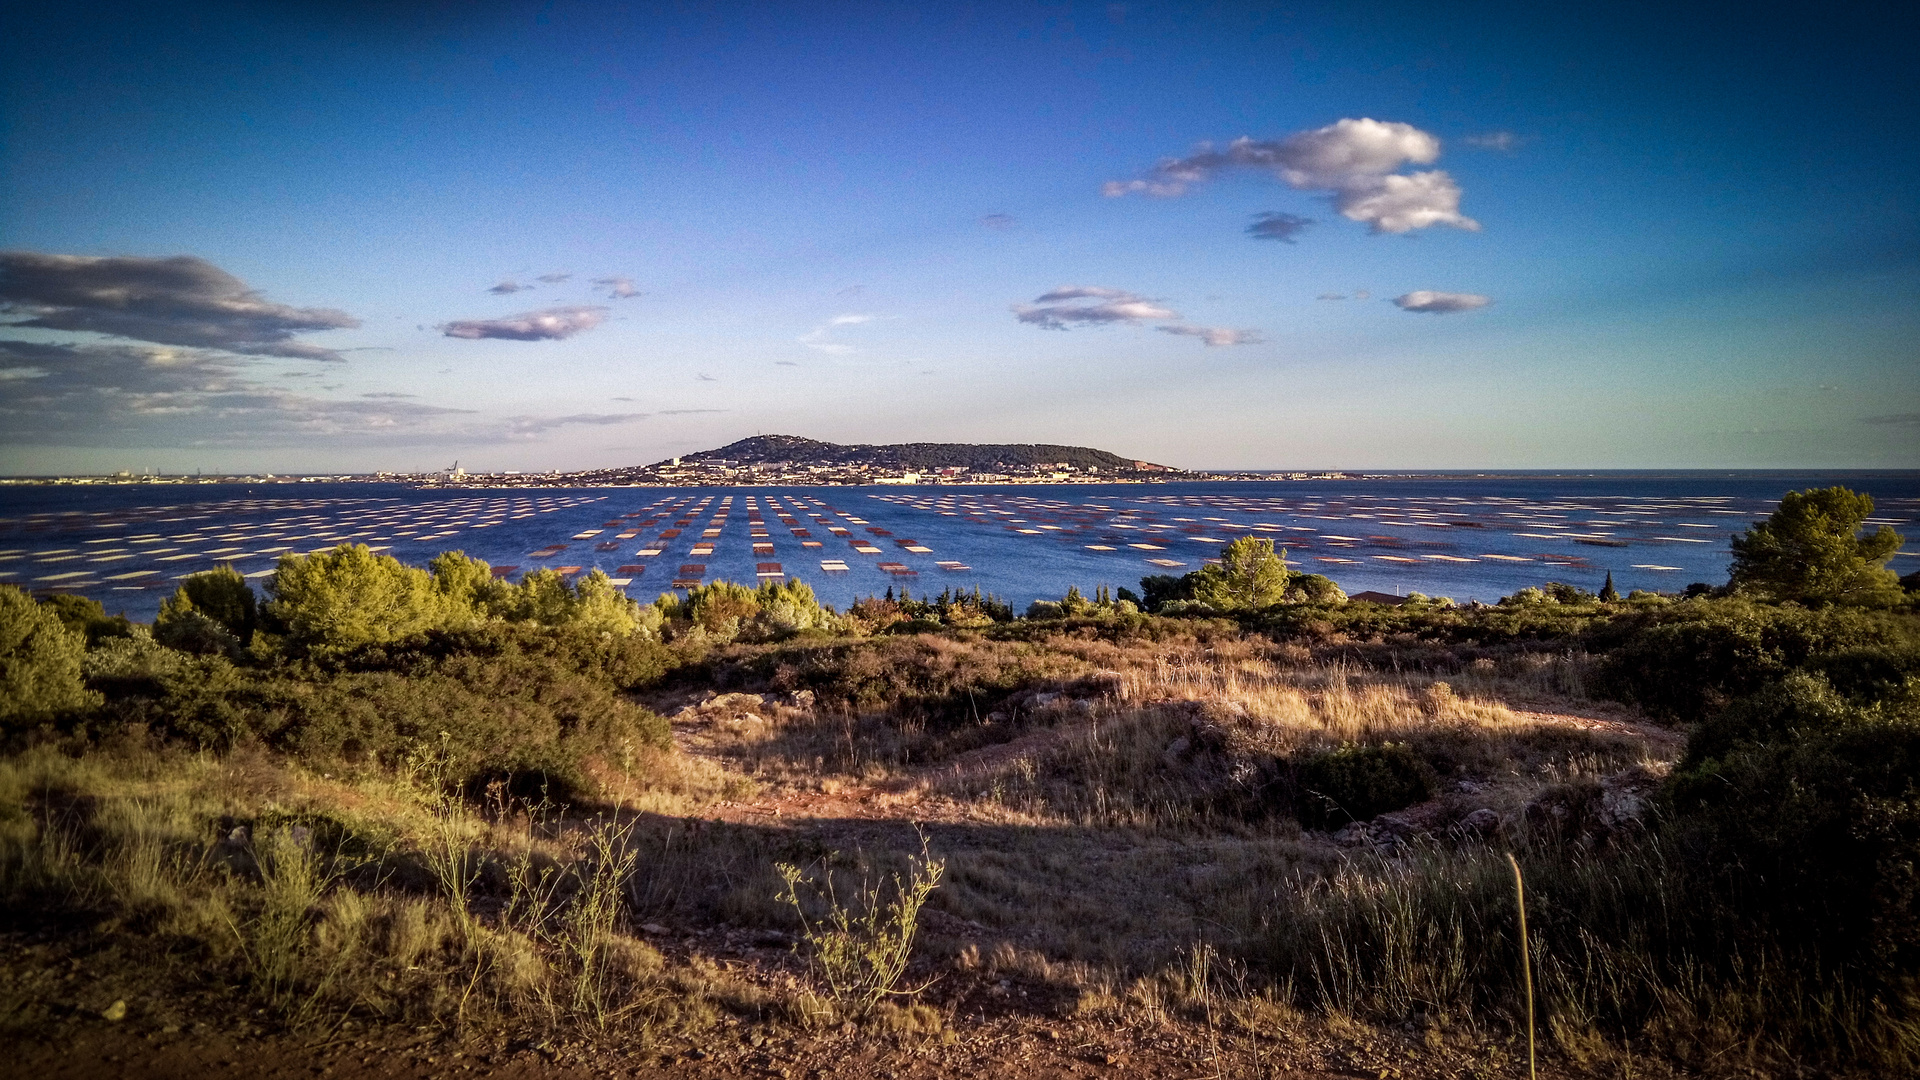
[[1101, 858], [381, 900]]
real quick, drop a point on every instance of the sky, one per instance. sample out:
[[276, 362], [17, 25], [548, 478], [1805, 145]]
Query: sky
[[331, 237]]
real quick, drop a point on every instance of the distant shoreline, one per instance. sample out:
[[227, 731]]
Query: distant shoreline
[[483, 481]]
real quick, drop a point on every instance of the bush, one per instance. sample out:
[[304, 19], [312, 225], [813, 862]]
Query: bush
[[1807, 807], [1359, 783], [1682, 661], [220, 595], [510, 716], [84, 616], [40, 662], [349, 597]]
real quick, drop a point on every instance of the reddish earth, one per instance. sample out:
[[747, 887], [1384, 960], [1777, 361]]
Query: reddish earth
[[93, 1048]]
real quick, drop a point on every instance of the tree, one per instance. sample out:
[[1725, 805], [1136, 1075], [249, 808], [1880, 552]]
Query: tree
[[348, 597], [467, 582], [1249, 575], [1609, 594], [1810, 551], [87, 617], [220, 595], [40, 659]]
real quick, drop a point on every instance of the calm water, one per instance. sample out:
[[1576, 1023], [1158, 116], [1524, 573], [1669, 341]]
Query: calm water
[[1478, 538]]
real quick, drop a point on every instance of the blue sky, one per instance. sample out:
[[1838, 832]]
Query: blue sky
[[1628, 238]]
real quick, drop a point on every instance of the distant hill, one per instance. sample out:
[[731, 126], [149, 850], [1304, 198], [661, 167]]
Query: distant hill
[[980, 457]]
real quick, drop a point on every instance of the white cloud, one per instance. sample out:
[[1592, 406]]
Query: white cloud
[[551, 324], [1398, 204], [1357, 161], [1215, 335], [1440, 303], [1058, 309]]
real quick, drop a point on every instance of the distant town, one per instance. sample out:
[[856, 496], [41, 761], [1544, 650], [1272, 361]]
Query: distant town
[[777, 460]]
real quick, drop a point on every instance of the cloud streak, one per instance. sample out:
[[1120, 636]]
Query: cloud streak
[[508, 288], [1215, 335], [116, 395], [618, 288], [1096, 305], [1355, 161], [1274, 225], [1072, 305], [551, 324], [1426, 301], [180, 300]]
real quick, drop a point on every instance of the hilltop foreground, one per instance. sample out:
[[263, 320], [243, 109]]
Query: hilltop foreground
[[401, 823]]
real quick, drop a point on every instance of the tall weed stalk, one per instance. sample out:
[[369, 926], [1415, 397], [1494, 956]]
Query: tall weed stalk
[[860, 950]]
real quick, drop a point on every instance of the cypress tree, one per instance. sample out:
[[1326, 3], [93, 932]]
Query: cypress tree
[[1609, 594]]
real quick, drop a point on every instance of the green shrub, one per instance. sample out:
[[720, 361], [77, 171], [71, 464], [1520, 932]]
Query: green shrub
[[220, 595], [84, 616], [1807, 808], [349, 597], [40, 662], [1684, 660], [1359, 783]]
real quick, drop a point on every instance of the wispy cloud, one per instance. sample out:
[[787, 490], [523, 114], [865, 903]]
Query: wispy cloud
[[388, 395], [704, 377], [618, 288], [818, 338], [137, 395], [1355, 160], [1274, 225], [1893, 418], [1096, 305], [508, 288], [552, 279], [998, 221], [1064, 307], [1214, 335], [1440, 303], [180, 300], [1331, 296], [690, 412], [551, 324], [522, 427], [1493, 140]]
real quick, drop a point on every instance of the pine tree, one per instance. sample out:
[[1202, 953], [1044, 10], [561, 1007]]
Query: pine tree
[[1609, 594]]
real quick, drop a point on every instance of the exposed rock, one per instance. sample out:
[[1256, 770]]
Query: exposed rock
[[1482, 821]]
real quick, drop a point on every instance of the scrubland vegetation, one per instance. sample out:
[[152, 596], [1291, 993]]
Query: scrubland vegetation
[[384, 796]]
